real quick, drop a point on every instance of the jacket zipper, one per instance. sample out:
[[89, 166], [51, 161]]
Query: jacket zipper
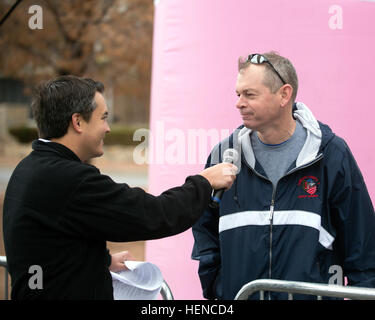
[[272, 208]]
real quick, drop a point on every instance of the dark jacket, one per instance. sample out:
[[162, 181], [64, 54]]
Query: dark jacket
[[318, 217], [59, 213]]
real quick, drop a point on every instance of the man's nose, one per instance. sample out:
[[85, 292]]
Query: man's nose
[[240, 102]]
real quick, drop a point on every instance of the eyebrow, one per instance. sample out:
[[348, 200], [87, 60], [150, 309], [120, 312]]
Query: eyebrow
[[247, 89], [105, 113]]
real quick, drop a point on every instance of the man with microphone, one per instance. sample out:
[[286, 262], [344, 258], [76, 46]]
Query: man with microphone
[[59, 211], [299, 207]]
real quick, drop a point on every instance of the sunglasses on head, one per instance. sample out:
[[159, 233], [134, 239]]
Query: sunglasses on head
[[257, 58]]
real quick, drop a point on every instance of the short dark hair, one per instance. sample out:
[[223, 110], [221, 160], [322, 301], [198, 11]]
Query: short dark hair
[[55, 101]]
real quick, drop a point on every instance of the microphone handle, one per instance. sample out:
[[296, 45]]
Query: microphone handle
[[216, 198]]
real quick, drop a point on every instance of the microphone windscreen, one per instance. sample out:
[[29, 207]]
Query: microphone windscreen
[[230, 155]]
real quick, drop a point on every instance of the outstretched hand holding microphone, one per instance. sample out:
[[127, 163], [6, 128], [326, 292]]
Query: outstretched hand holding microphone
[[221, 176]]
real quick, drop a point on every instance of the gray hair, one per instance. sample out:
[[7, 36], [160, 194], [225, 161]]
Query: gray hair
[[271, 79]]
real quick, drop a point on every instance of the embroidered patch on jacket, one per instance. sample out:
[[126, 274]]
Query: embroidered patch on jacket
[[310, 185]]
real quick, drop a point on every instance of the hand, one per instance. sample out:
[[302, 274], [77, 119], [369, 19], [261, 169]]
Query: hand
[[118, 259], [220, 176]]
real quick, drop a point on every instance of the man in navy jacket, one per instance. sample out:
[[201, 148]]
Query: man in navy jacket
[[299, 209], [59, 211]]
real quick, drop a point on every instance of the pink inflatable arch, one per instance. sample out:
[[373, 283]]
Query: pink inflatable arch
[[196, 47]]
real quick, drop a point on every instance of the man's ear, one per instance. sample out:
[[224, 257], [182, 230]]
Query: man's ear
[[77, 122], [286, 92]]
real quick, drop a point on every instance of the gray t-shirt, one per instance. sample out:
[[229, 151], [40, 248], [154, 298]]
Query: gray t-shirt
[[277, 158]]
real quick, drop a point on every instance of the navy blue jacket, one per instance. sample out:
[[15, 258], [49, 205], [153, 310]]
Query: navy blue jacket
[[318, 216]]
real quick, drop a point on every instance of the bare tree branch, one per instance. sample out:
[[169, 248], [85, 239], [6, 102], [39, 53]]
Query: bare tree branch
[[107, 5], [30, 50], [61, 28]]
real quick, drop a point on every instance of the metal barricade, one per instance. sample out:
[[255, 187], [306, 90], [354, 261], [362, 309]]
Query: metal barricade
[[166, 292], [307, 288], [3, 263]]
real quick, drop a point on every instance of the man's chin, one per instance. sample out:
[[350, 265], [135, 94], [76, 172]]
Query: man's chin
[[251, 124], [247, 125], [97, 154]]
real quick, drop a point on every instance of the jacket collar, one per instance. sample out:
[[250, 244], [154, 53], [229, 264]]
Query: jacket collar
[[313, 141], [49, 146], [310, 149]]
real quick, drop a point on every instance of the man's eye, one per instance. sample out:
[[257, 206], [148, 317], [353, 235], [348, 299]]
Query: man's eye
[[249, 94]]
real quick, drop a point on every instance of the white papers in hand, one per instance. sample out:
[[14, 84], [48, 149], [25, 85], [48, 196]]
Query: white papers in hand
[[142, 281]]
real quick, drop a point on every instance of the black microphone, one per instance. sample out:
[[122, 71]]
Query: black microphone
[[229, 156]]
